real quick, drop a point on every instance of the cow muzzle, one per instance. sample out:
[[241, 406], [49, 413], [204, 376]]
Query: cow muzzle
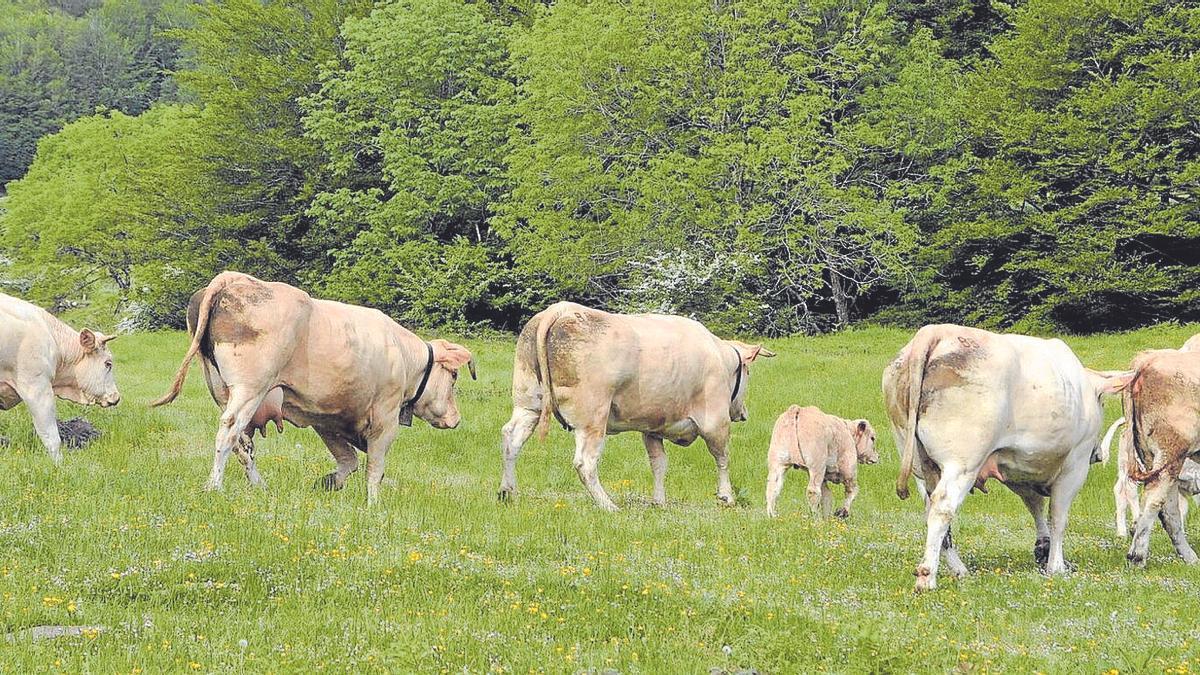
[[110, 401]]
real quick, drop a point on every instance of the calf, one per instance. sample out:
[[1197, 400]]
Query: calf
[[598, 373], [42, 357], [829, 448]]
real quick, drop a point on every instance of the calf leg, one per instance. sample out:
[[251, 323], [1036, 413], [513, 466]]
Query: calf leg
[[1036, 504], [1173, 524], [658, 466], [345, 455], [588, 446], [1125, 495], [377, 448], [512, 438], [717, 441], [951, 489], [40, 401], [244, 449], [775, 474], [816, 486], [848, 467]]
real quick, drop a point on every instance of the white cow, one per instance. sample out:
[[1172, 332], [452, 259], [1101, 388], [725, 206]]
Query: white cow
[[42, 357], [970, 405], [1125, 491]]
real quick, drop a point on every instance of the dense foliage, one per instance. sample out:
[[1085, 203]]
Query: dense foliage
[[768, 166]]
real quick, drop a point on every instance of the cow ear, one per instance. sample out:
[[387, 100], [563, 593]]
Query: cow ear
[[87, 340], [1111, 382], [751, 352], [450, 355]]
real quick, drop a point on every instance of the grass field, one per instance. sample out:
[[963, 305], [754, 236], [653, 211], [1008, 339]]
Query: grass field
[[441, 577]]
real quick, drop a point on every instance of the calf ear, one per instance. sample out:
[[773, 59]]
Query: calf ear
[[87, 340]]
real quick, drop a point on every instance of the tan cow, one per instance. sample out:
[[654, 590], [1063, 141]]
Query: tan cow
[[598, 373], [271, 353], [42, 357], [1125, 492], [968, 405], [1162, 406], [829, 448]]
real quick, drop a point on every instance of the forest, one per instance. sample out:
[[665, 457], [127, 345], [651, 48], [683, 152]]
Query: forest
[[769, 167]]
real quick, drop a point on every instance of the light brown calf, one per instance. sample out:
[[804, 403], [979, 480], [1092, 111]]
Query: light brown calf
[[829, 448]]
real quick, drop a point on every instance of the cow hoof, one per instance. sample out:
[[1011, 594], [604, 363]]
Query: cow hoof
[[1138, 559], [328, 482], [1189, 558], [725, 500], [842, 513], [925, 580], [504, 496], [1041, 551]]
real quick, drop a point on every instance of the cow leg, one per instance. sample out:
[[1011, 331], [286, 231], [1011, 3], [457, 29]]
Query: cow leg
[[1062, 493], [951, 489], [953, 562], [40, 401], [588, 446], [244, 449], [377, 448], [658, 466], [1156, 496], [1125, 495], [346, 457], [717, 443], [512, 438], [1036, 504], [234, 420], [1173, 523], [776, 471]]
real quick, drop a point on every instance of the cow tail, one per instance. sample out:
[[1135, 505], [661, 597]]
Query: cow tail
[[215, 286], [918, 356], [1106, 444], [1136, 470], [542, 348]]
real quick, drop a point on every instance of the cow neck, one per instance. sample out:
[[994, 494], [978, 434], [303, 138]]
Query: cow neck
[[69, 351], [737, 375], [424, 377]]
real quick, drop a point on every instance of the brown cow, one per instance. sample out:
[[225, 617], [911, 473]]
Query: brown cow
[[272, 353], [1162, 406], [829, 448], [599, 373]]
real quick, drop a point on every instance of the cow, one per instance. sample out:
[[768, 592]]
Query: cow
[[598, 373], [270, 353], [829, 448], [1125, 492], [1162, 406], [969, 405], [41, 358]]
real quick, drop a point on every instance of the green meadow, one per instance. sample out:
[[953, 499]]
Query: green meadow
[[443, 578]]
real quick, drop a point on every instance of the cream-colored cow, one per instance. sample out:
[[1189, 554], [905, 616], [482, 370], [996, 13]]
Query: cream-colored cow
[[829, 448], [599, 373], [42, 357]]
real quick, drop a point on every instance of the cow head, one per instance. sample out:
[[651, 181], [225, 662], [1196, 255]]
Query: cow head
[[89, 377], [747, 354], [437, 405], [864, 441]]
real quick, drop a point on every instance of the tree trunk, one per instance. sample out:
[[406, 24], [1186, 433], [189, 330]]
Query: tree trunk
[[841, 301]]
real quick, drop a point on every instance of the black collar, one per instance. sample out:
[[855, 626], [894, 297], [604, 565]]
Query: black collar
[[737, 375], [406, 410]]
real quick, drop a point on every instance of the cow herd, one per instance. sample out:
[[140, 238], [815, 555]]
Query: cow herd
[[965, 406]]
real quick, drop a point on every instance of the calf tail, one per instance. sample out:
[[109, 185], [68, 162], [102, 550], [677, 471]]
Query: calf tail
[[1106, 444], [918, 355], [217, 284], [542, 348]]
